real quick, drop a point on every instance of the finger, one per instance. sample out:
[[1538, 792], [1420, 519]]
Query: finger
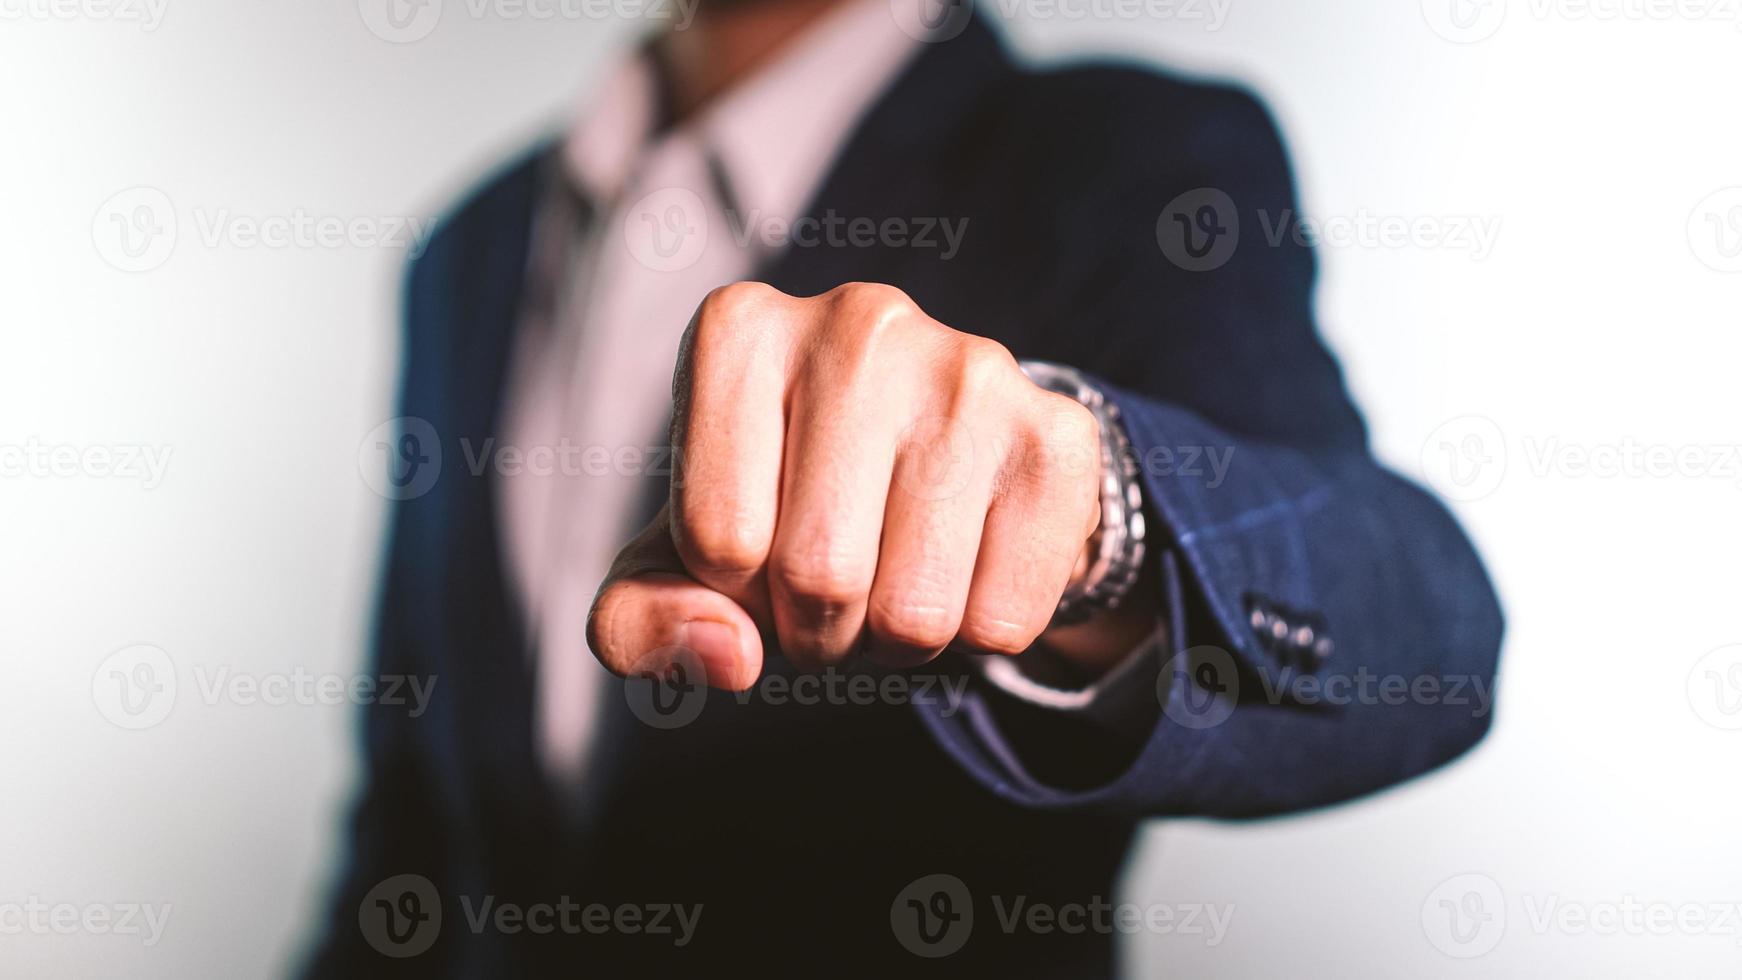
[[1048, 505], [936, 515], [839, 455], [650, 613], [728, 427]]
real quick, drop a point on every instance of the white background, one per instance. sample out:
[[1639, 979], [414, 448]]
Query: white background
[[1592, 324]]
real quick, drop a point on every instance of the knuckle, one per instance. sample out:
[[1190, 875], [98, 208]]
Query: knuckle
[[711, 542], [1064, 440], [822, 580], [993, 633], [815, 645], [911, 622], [736, 299], [872, 297], [873, 309], [730, 312], [984, 365], [1066, 418]]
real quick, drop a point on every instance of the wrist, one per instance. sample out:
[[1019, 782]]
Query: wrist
[[1107, 636]]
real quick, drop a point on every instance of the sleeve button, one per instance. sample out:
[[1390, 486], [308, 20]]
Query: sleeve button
[[1322, 649]]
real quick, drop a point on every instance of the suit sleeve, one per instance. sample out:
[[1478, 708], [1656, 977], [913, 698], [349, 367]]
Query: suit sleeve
[[1333, 630]]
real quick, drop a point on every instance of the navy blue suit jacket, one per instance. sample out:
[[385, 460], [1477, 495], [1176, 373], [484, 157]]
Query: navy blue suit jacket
[[797, 826]]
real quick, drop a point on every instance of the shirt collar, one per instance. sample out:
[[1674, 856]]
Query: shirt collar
[[774, 135]]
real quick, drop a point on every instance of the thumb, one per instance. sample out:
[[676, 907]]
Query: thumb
[[650, 613]]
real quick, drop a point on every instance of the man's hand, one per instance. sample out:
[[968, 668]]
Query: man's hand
[[854, 477]]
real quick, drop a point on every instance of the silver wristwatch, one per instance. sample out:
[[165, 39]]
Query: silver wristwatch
[[1116, 547]]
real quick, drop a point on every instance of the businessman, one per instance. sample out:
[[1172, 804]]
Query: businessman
[[900, 478]]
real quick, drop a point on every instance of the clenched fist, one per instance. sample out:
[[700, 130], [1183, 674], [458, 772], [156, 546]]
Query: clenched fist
[[854, 477]]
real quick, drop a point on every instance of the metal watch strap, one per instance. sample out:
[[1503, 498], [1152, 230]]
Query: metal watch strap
[[1118, 544]]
